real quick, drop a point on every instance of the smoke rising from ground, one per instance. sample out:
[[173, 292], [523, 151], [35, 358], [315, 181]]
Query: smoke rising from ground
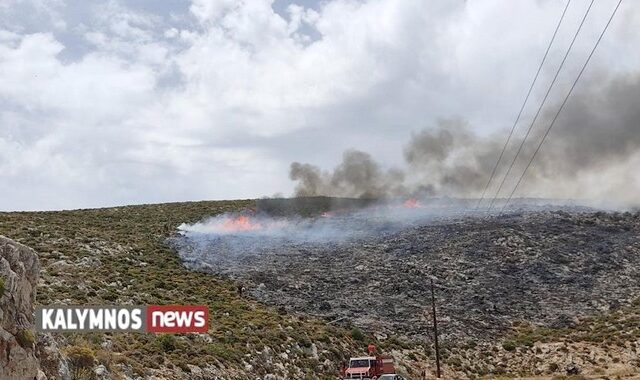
[[593, 152], [225, 240], [228, 241], [357, 176], [335, 226]]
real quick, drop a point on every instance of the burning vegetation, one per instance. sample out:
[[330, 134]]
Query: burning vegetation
[[345, 220], [367, 265], [240, 223]]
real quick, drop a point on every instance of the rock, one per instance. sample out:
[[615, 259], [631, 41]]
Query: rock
[[195, 371], [108, 345], [572, 370], [314, 351], [101, 371], [380, 336], [88, 262], [52, 363], [59, 266], [267, 353], [19, 269]]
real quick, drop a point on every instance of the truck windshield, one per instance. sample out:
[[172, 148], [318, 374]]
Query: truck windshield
[[359, 363]]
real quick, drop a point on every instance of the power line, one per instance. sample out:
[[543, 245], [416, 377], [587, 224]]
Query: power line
[[544, 100], [515, 123], [544, 137]]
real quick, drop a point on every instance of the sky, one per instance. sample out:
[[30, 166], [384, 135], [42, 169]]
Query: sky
[[118, 102]]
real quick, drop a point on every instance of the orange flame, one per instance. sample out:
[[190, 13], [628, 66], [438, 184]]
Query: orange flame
[[412, 203], [241, 223]]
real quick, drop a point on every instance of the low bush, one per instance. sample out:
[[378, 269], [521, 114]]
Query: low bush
[[167, 342], [81, 357], [357, 334], [25, 338], [509, 345]]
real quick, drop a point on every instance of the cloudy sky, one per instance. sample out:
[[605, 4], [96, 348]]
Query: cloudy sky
[[137, 101]]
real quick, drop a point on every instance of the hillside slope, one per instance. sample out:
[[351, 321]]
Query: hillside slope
[[121, 256]]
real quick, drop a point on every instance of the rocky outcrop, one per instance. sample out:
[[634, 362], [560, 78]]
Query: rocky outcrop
[[19, 269]]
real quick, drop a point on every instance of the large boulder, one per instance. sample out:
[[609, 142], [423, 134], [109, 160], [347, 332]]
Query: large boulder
[[19, 269]]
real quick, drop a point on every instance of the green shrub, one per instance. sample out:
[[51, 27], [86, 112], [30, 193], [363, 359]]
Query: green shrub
[[357, 334], [509, 345], [25, 338], [81, 356], [305, 342], [167, 342], [1, 286], [221, 351]]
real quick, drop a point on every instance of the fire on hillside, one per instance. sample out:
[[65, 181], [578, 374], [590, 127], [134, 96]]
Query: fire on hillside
[[369, 266], [390, 213]]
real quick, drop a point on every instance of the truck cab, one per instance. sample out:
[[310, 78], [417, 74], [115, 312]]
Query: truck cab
[[367, 367], [361, 368]]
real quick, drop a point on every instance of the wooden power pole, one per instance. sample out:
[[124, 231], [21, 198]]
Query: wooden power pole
[[435, 329]]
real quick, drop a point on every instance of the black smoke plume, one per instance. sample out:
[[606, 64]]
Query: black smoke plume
[[592, 152]]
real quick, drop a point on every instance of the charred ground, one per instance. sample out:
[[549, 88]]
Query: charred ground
[[544, 267]]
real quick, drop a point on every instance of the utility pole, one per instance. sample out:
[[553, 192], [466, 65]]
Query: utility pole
[[435, 330]]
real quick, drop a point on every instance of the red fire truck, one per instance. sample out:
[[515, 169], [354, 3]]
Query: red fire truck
[[368, 367]]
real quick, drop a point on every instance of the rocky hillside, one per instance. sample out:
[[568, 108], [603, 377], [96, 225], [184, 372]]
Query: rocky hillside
[[519, 286], [120, 255], [18, 278], [544, 267]]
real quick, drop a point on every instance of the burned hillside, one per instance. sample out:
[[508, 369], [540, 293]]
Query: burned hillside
[[544, 267]]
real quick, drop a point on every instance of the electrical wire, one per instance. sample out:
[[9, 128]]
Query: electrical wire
[[524, 103], [544, 137], [544, 100]]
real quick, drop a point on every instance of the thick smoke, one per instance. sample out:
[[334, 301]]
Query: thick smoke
[[357, 176], [597, 130], [592, 153], [449, 159]]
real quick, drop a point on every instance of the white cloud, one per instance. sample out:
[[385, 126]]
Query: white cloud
[[208, 11], [214, 100]]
